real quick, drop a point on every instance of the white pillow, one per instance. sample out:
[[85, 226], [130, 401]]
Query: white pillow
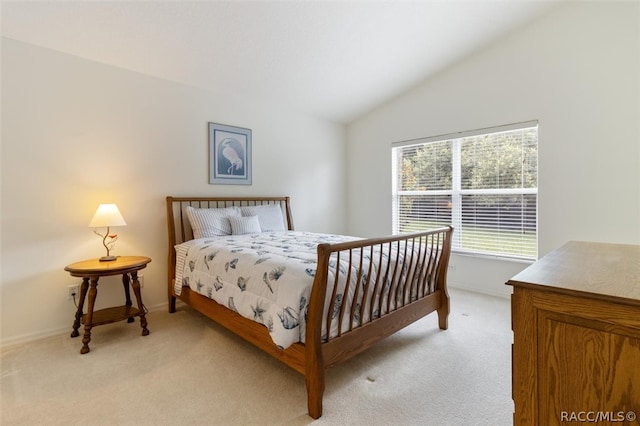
[[244, 225], [270, 216], [211, 222]]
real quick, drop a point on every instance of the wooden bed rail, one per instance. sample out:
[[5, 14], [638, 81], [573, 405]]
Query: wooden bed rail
[[404, 281], [384, 274]]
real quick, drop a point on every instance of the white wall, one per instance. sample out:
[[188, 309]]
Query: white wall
[[76, 133], [575, 70]]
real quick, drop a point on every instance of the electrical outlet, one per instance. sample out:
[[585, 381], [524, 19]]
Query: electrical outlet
[[73, 290], [452, 266]]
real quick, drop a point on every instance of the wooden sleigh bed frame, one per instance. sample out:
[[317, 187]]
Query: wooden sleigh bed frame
[[426, 277]]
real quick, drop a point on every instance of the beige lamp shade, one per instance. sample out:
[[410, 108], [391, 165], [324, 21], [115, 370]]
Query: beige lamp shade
[[107, 215]]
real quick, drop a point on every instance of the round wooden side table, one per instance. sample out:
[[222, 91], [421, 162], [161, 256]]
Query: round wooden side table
[[90, 271]]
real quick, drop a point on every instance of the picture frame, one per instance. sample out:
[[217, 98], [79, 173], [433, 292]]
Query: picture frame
[[229, 155]]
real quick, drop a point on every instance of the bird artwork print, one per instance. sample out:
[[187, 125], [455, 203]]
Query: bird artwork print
[[230, 159]]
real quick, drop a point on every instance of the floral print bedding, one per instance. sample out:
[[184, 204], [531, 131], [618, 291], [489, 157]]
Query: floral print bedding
[[266, 277]]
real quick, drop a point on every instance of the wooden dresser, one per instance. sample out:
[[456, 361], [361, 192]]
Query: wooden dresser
[[576, 326]]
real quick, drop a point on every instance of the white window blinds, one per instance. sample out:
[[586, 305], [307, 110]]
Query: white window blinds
[[484, 183]]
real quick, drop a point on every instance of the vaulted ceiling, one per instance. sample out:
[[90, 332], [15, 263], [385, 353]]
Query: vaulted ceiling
[[333, 59]]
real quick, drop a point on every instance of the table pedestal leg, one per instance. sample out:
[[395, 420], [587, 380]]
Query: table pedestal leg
[[93, 291], [127, 293], [136, 291], [83, 293]]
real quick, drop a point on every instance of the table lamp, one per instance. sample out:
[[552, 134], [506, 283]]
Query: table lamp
[[107, 216]]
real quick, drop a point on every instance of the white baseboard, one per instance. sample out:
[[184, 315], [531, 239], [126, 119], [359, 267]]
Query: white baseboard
[[506, 294], [31, 337]]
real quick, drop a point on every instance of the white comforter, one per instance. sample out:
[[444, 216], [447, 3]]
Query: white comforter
[[265, 277]]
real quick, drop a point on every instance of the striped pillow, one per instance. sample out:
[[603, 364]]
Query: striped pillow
[[211, 222], [244, 225]]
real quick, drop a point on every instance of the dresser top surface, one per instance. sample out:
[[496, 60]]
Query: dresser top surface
[[597, 269]]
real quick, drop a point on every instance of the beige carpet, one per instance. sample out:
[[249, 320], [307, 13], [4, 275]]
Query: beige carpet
[[190, 371]]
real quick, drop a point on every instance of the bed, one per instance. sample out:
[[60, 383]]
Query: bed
[[352, 291]]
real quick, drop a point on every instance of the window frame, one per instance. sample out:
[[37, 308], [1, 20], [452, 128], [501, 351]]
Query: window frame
[[457, 193]]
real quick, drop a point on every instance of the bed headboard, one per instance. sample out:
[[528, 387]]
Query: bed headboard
[[178, 223]]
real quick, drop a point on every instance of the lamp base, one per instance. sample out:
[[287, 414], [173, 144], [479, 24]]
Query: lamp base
[[108, 258]]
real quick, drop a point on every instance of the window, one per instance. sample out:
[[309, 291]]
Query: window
[[484, 183]]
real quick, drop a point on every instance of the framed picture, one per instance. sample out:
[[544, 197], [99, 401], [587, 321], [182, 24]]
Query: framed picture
[[229, 155]]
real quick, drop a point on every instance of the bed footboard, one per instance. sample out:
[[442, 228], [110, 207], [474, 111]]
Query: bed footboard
[[368, 289]]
